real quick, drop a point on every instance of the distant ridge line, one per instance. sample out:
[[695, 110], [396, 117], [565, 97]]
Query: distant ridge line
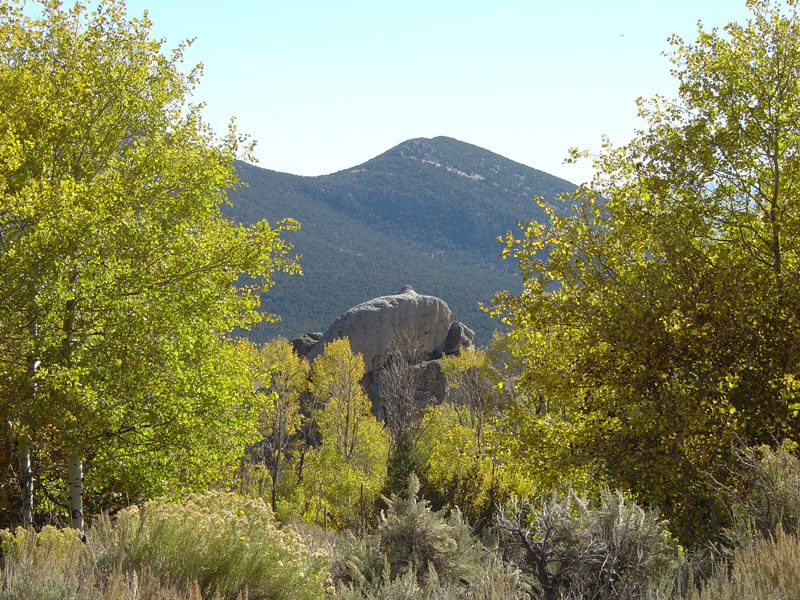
[[426, 212]]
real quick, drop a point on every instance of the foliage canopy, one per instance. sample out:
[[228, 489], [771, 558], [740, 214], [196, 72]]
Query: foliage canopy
[[118, 272], [348, 469], [662, 318]]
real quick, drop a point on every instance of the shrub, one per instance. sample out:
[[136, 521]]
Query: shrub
[[223, 542], [495, 580], [417, 553], [404, 587], [41, 566], [768, 570], [764, 496], [576, 548], [55, 565], [358, 563], [491, 580], [413, 537]]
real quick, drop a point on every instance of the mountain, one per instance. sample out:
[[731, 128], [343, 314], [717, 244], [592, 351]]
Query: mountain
[[427, 213]]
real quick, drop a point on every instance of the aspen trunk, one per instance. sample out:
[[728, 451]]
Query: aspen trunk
[[319, 504], [25, 482], [24, 442], [75, 459], [76, 491], [275, 470]]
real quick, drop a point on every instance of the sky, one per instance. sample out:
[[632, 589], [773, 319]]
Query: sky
[[326, 85]]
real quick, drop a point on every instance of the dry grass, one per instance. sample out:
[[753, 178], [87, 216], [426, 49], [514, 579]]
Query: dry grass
[[212, 546], [54, 565], [767, 570]]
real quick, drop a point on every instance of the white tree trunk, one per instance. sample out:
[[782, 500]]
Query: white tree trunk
[[76, 491], [25, 482], [24, 441]]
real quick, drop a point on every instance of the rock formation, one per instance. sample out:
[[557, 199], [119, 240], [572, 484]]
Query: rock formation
[[374, 328], [305, 342]]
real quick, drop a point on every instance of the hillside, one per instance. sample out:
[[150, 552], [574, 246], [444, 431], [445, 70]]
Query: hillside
[[427, 212]]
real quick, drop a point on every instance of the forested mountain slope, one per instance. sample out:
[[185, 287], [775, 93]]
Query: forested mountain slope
[[427, 212]]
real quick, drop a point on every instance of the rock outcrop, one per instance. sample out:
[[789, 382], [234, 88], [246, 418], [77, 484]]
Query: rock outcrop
[[459, 336], [421, 323], [376, 326], [431, 385], [306, 342]]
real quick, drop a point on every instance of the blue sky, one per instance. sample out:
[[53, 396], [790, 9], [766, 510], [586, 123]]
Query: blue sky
[[326, 85]]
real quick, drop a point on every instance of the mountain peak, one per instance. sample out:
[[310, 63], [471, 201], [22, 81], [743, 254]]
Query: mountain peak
[[473, 162], [438, 146], [427, 212]]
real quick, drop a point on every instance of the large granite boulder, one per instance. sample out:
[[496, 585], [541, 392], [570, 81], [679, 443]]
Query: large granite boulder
[[375, 326]]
